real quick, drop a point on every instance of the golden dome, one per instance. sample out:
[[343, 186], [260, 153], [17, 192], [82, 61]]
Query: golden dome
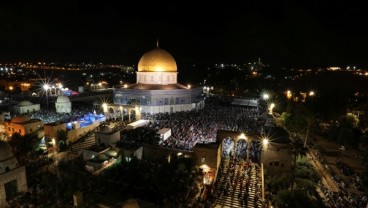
[[157, 60]]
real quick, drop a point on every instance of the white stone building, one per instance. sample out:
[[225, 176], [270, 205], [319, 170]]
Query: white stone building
[[63, 104], [26, 106]]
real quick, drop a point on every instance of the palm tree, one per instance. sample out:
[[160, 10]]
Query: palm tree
[[310, 119], [298, 150]]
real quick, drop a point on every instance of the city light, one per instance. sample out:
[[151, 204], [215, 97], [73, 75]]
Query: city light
[[289, 94], [265, 96], [265, 142], [46, 87], [311, 93], [189, 86]]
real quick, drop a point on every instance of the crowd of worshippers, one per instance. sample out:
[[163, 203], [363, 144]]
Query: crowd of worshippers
[[237, 180], [191, 127], [52, 117], [343, 198]]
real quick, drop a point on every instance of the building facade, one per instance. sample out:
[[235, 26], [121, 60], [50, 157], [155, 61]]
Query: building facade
[[12, 176], [23, 125], [26, 106]]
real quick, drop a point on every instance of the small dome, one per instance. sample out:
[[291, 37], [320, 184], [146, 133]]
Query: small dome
[[157, 60], [63, 99], [24, 103], [105, 129], [20, 119], [5, 151]]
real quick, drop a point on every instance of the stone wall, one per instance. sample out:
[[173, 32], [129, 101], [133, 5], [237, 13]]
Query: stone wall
[[18, 174]]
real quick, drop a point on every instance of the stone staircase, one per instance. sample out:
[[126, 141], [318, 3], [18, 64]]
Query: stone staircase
[[77, 147], [232, 195]]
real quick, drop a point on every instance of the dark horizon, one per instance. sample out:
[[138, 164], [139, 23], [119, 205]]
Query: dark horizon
[[281, 34]]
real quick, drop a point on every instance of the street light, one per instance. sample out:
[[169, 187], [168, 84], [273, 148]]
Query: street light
[[242, 136], [289, 94], [265, 96], [265, 143], [11, 88], [270, 108], [122, 113], [104, 107]]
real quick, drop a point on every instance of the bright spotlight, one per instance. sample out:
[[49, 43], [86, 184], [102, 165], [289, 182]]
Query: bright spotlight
[[104, 107], [311, 93], [46, 86], [265, 141], [265, 96], [242, 136]]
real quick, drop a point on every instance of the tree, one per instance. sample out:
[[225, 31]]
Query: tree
[[62, 136], [346, 131], [298, 150], [310, 120], [24, 145], [284, 119], [293, 198]]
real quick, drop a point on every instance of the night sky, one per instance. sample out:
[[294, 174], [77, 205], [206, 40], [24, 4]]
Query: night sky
[[282, 34]]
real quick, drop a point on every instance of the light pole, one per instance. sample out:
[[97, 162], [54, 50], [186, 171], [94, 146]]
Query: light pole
[[265, 143], [46, 87], [11, 88], [122, 113]]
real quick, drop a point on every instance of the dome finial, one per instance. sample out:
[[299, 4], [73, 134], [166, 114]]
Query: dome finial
[[157, 43]]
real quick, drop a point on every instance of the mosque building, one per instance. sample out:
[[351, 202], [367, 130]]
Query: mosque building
[[157, 89]]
